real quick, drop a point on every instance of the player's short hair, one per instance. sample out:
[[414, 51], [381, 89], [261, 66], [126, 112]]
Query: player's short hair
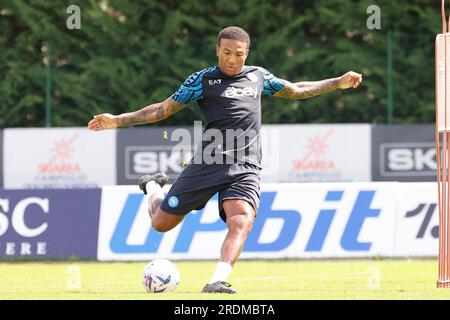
[[234, 33]]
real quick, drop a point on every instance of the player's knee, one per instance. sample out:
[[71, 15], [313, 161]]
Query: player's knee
[[160, 225], [241, 222], [163, 222]]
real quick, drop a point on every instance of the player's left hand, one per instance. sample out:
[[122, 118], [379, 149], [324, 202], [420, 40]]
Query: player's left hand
[[350, 80]]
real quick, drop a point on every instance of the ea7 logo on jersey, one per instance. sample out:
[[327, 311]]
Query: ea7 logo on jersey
[[233, 92], [213, 82]]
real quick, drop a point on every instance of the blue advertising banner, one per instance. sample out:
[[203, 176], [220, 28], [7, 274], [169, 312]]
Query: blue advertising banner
[[295, 220], [49, 223]]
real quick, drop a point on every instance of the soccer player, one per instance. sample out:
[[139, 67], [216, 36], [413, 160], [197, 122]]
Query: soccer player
[[229, 95]]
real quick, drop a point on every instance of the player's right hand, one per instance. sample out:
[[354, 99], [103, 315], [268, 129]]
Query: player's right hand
[[103, 121]]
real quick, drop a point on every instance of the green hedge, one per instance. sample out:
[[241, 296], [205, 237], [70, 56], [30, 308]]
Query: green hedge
[[129, 54]]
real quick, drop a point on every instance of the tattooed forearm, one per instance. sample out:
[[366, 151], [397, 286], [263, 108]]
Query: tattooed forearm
[[152, 113], [315, 88], [160, 113], [305, 90], [149, 114]]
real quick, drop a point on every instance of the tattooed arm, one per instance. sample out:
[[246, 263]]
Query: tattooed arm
[[152, 113], [309, 89]]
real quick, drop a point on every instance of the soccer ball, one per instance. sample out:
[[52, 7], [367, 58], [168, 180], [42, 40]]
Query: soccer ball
[[160, 275]]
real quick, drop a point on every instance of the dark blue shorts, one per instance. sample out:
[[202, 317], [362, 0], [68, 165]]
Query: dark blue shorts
[[200, 182]]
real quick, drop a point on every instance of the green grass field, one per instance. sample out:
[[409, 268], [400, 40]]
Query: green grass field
[[290, 279]]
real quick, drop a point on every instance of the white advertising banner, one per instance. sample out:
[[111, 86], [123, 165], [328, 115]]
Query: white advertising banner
[[125, 231], [417, 222], [295, 220], [55, 158], [316, 153]]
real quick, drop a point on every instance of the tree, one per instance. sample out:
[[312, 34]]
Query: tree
[[130, 54]]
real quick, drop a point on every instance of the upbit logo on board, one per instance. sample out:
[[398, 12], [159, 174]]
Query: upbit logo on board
[[315, 240]]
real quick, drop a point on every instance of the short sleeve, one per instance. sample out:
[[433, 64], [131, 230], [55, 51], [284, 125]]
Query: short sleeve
[[272, 84], [192, 88]]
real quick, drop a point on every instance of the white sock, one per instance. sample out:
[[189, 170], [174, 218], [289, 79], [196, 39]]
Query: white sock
[[223, 270], [154, 191]]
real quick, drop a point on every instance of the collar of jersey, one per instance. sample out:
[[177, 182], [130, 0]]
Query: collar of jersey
[[236, 75]]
